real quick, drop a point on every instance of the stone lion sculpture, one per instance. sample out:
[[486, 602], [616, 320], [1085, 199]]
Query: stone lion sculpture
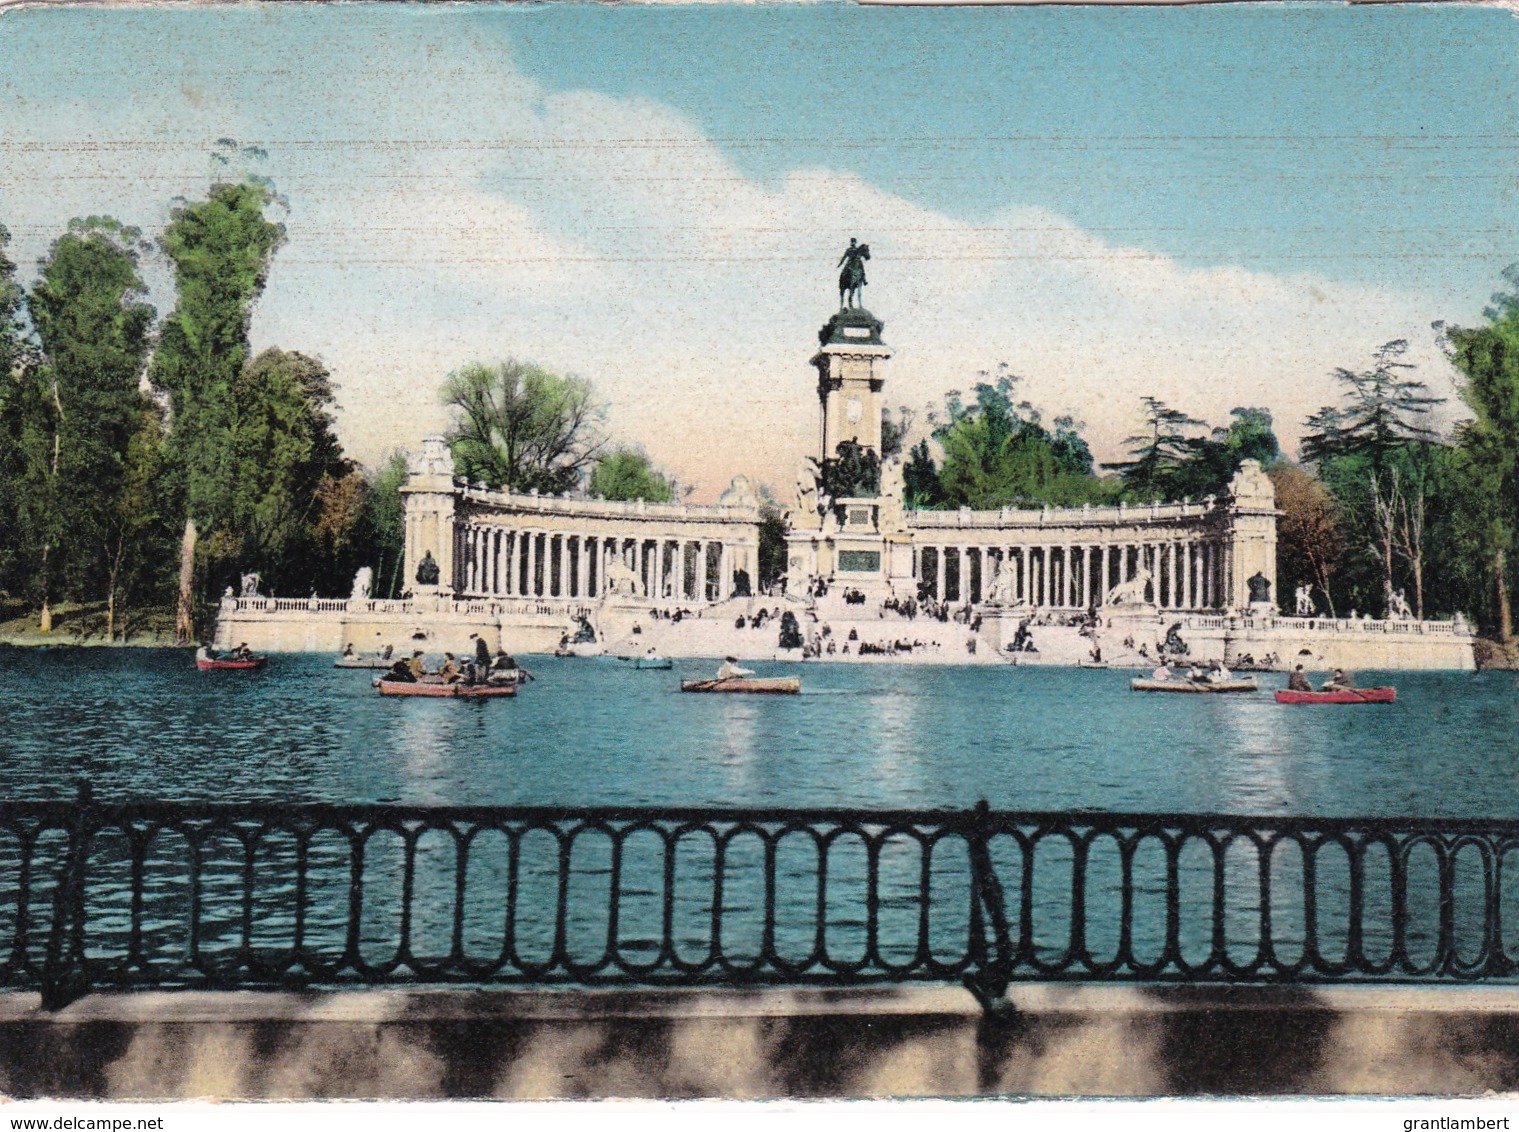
[[1132, 592], [622, 580]]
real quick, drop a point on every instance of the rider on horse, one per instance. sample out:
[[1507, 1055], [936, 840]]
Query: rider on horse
[[852, 278]]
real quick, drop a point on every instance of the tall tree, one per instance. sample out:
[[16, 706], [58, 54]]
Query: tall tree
[[1157, 453], [1213, 460], [385, 523], [997, 452], [1362, 447], [294, 499], [626, 472], [1309, 540], [516, 425], [1487, 358], [93, 331], [13, 358], [220, 249]]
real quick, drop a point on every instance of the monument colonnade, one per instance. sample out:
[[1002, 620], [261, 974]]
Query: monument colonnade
[[1072, 558], [553, 547]]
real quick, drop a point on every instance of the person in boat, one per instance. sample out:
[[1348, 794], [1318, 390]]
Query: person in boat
[[1162, 671], [414, 665], [731, 671], [1219, 674], [503, 669], [450, 668], [1341, 681], [482, 652], [387, 652], [400, 672], [242, 652], [348, 653], [1194, 673], [1298, 681]]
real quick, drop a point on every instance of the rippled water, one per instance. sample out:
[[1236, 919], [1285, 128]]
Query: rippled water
[[144, 724]]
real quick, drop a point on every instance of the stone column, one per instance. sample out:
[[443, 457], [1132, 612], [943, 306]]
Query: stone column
[[938, 573], [963, 569], [1086, 576], [1067, 552], [724, 581], [532, 564], [1023, 568]]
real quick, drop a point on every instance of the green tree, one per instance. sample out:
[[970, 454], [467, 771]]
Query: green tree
[[921, 488], [93, 331], [220, 249], [295, 501], [1159, 453], [14, 356], [772, 544], [385, 525], [999, 453], [1487, 358], [518, 426], [1213, 461], [1369, 450], [136, 533], [626, 472]]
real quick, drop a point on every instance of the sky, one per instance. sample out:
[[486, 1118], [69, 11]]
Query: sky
[[1214, 205]]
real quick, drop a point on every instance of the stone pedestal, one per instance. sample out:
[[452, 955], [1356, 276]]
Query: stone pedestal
[[999, 625], [1142, 622]]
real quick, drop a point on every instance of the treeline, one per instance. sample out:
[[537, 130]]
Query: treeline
[[148, 463], [1383, 512]]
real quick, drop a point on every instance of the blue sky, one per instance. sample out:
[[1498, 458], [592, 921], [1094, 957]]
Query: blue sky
[[1214, 204]]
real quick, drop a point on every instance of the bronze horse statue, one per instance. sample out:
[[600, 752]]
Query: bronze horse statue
[[852, 278]]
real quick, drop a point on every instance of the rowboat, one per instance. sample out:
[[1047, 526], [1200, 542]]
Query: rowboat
[[771, 686], [660, 662], [1205, 686], [210, 664], [432, 686], [1350, 696], [362, 662]]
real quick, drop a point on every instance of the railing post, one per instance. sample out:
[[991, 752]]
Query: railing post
[[988, 978], [64, 977]]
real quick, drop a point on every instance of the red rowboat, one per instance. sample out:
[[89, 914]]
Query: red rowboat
[[435, 687], [1354, 696], [208, 665]]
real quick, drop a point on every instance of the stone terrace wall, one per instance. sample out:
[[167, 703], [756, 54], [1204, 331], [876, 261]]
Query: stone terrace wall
[[929, 1041]]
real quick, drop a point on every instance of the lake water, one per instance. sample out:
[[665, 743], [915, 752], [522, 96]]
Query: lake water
[[145, 725]]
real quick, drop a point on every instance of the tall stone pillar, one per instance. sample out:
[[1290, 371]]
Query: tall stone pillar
[[1252, 532], [962, 564], [1027, 593]]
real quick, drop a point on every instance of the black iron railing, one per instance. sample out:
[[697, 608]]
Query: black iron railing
[[180, 895]]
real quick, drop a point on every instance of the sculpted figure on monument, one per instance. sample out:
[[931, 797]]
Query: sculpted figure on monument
[[852, 278], [1260, 587], [250, 585], [1004, 587], [1133, 592], [363, 581], [808, 511], [621, 580], [427, 570]]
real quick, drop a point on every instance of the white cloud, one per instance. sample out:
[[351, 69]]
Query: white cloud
[[476, 216]]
